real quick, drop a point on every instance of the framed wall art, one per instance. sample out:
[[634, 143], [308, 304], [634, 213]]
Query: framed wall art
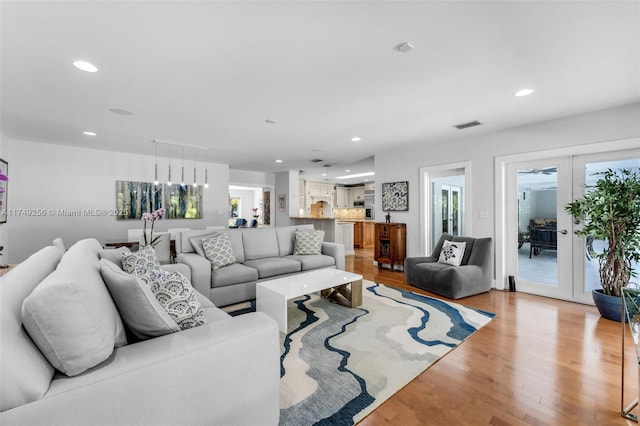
[[395, 196]]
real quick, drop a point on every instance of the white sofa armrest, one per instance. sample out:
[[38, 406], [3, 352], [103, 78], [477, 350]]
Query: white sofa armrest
[[335, 250], [207, 375], [200, 271]]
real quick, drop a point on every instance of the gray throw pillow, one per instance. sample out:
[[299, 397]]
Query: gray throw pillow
[[219, 251], [308, 242], [138, 307]]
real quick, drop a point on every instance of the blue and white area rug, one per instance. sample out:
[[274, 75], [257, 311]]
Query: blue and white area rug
[[338, 364]]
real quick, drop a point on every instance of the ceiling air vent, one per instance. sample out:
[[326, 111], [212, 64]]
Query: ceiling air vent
[[316, 160], [467, 124]]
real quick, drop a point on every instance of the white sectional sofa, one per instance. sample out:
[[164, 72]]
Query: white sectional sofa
[[206, 375], [260, 254]]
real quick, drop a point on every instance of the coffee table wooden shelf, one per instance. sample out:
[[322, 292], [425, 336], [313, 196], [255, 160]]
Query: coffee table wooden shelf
[[272, 296]]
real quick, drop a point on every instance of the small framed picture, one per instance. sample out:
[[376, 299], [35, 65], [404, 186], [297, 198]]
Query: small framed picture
[[395, 196], [282, 202]]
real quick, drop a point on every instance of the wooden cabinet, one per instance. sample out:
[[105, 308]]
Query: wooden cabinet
[[363, 234], [390, 243]]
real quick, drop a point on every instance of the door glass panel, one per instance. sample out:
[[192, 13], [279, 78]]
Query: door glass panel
[[591, 176], [537, 225], [448, 206]]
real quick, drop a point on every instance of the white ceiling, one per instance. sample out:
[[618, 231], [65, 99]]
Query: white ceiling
[[209, 73]]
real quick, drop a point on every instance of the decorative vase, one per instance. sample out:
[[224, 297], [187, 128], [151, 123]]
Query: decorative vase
[[610, 307]]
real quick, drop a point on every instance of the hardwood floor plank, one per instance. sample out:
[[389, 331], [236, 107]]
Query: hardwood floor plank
[[541, 361]]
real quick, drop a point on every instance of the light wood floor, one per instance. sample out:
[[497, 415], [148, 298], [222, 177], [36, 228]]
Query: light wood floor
[[539, 362]]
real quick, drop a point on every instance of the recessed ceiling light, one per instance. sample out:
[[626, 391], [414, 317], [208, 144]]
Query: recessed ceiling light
[[89, 133], [404, 47], [355, 139], [85, 66], [523, 92], [278, 161], [120, 111], [347, 171]]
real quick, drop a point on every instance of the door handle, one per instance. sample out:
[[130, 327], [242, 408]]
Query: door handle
[[563, 232]]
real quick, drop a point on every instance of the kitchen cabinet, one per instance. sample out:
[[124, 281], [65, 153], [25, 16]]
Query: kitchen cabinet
[[363, 234], [341, 199], [356, 193], [390, 243]]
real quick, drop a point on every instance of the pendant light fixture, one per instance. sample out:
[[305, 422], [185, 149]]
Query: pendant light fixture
[[155, 180], [206, 170], [182, 177], [169, 183], [195, 184]]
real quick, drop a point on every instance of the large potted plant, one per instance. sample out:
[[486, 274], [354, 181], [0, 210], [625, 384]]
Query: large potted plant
[[611, 211]]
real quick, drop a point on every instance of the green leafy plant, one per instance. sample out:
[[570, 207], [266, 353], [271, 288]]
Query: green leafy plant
[[611, 211]]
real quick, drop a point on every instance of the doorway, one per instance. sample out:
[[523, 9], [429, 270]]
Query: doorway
[[445, 202], [544, 254]]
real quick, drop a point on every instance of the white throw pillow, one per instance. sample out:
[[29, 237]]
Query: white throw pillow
[[218, 250], [308, 242], [176, 295], [452, 252], [140, 311]]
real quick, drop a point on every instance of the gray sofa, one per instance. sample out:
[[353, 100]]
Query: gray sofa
[[208, 374], [260, 254], [473, 276]]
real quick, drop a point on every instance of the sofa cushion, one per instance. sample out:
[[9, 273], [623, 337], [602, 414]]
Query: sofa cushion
[[70, 316], [452, 253], [313, 261], [307, 243], [233, 274], [176, 295], [141, 262], [470, 241], [260, 243], [218, 250], [273, 266], [114, 255], [286, 239], [140, 311], [25, 373]]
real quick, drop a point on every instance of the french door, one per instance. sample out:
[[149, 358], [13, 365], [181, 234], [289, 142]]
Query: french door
[[540, 241], [545, 255]]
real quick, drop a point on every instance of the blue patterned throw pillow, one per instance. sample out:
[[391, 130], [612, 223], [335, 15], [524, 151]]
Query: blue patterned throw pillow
[[452, 252], [175, 294], [141, 262]]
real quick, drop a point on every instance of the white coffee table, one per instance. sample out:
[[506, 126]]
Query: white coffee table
[[272, 296]]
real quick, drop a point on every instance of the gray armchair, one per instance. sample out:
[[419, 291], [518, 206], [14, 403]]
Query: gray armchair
[[473, 276]]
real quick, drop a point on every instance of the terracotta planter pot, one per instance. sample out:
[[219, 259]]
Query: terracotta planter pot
[[610, 307]]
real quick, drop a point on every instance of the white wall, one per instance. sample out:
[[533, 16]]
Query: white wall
[[48, 178], [251, 178], [403, 164]]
